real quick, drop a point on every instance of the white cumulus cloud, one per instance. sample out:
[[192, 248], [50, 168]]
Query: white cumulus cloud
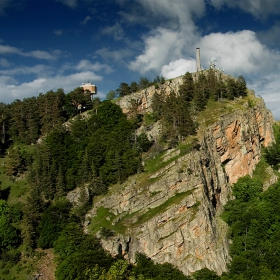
[[258, 8], [178, 67], [238, 52], [176, 36], [48, 78], [161, 46], [10, 92]]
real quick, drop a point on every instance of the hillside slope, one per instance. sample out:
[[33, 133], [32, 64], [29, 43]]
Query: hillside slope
[[171, 212]]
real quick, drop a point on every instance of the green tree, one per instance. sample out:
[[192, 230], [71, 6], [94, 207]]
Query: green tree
[[9, 235], [51, 108], [241, 86], [134, 86], [247, 188], [80, 264], [124, 89], [4, 122], [158, 105], [232, 90], [186, 90], [119, 270], [77, 101], [201, 92], [68, 240], [144, 83], [205, 274], [53, 220], [111, 95]]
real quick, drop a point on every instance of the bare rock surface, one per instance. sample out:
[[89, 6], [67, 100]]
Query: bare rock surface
[[172, 215]]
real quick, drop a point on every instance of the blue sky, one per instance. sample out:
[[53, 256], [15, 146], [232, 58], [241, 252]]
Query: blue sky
[[51, 44]]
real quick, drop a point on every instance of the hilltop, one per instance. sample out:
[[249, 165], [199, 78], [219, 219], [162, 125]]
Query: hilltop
[[149, 172]]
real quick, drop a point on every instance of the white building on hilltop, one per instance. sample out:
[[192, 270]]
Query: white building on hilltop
[[90, 87]]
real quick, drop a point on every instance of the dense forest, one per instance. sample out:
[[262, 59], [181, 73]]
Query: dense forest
[[54, 147]]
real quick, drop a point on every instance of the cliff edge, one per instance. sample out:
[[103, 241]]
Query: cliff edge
[[171, 212]]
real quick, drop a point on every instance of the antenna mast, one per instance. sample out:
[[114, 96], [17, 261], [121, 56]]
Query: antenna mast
[[198, 65]]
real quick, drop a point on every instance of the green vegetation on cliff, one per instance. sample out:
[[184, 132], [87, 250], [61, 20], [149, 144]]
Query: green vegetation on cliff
[[51, 148]]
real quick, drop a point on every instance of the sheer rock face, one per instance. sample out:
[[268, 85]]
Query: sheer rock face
[[191, 191], [238, 139], [144, 97]]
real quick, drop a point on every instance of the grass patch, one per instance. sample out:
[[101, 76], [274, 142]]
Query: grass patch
[[18, 190], [154, 164], [162, 238], [24, 269], [151, 213], [154, 193], [103, 218], [195, 210], [215, 109], [149, 118]]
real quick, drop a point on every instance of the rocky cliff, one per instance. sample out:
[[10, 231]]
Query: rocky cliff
[[144, 97], [171, 213]]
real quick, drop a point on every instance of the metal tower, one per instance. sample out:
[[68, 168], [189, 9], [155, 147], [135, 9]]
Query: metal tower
[[198, 65]]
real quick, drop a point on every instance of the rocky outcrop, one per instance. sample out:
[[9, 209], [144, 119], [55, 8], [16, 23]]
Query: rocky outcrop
[[172, 214], [144, 97]]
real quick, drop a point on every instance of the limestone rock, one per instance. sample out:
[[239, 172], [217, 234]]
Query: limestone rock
[[78, 196], [172, 215]]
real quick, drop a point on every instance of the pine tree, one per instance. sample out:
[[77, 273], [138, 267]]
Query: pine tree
[[231, 89], [85, 168], [60, 182], [201, 92], [124, 89], [134, 86], [241, 86], [4, 122], [186, 90], [158, 105]]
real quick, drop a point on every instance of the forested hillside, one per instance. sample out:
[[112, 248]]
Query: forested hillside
[[50, 147]]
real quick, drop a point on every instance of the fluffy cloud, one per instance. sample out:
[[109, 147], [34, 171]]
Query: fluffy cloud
[[258, 8], [238, 53], [38, 70], [177, 68], [170, 41], [116, 31], [6, 49], [87, 65], [48, 78], [9, 50], [6, 80], [161, 46], [10, 92], [39, 55], [4, 62]]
